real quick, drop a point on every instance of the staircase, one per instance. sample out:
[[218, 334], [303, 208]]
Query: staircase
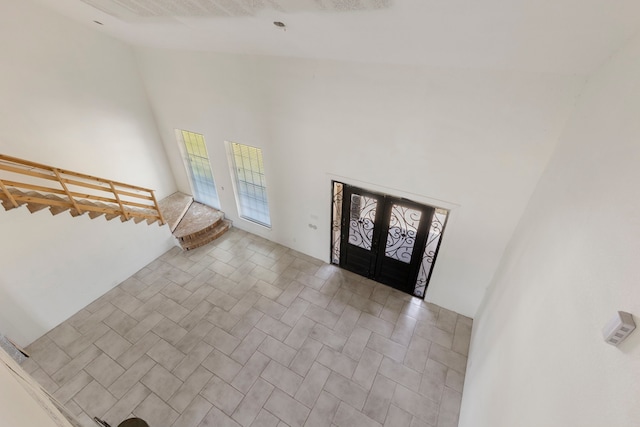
[[40, 186], [193, 224]]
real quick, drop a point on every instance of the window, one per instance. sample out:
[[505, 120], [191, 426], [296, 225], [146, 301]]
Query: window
[[250, 185], [196, 161]]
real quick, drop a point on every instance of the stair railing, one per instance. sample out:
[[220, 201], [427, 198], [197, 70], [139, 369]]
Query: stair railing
[[76, 192]]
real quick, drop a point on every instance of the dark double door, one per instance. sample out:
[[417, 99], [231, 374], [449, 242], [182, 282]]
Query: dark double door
[[383, 237]]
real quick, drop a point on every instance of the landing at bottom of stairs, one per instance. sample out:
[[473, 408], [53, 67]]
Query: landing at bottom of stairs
[[195, 224]]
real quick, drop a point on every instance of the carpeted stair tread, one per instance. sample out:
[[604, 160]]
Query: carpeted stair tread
[[174, 207], [207, 237], [198, 220]]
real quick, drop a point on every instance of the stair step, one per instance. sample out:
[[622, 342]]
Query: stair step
[[82, 203], [6, 203], [152, 220], [139, 219], [96, 214], [198, 220], [108, 216], [35, 206], [207, 237], [56, 209]]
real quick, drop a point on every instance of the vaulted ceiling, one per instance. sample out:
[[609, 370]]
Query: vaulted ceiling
[[556, 36]]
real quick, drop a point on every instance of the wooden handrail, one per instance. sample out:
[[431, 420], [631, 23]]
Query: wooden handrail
[[76, 187], [66, 172]]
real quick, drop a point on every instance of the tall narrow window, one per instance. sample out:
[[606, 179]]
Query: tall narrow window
[[251, 187], [196, 161]]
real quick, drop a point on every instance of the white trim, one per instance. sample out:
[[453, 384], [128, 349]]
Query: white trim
[[419, 198]]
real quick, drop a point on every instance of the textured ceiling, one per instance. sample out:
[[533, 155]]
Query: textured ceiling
[[135, 9], [550, 36]]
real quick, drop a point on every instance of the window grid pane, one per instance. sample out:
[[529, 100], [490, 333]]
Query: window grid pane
[[251, 184], [199, 169]]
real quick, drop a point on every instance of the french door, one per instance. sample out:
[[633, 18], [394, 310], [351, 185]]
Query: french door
[[383, 237]]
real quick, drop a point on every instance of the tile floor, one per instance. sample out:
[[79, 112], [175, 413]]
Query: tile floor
[[245, 332]]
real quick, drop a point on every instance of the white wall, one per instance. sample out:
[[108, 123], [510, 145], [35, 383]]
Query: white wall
[[71, 98], [477, 140], [537, 354]]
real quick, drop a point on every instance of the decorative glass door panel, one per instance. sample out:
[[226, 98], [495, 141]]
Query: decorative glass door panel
[[403, 229], [361, 217], [405, 226], [361, 221]]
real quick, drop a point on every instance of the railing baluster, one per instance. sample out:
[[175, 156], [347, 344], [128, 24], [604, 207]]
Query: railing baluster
[[155, 202], [115, 193], [66, 190], [13, 201]]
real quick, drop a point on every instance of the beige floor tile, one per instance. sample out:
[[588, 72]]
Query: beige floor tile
[[125, 406], [282, 377], [95, 399], [387, 347], [346, 390], [400, 373], [250, 372], [194, 413], [273, 327], [245, 332], [72, 387], [222, 340], [221, 365], [166, 354], [346, 416], [347, 321], [104, 370], [323, 411], [367, 368], [449, 408], [131, 376], [248, 346], [216, 418], [448, 358], [190, 389], [190, 363], [287, 409], [252, 403], [299, 333], [161, 382], [356, 342], [379, 398], [155, 411], [312, 385], [397, 417], [376, 324], [277, 351], [222, 395], [265, 419], [415, 404], [337, 362], [306, 356], [322, 316]]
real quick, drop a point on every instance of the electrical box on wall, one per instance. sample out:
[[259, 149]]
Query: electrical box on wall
[[618, 328]]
